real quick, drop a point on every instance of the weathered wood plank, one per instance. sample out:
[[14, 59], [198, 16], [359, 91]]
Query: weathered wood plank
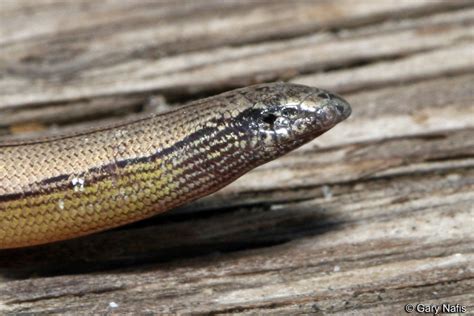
[[373, 215], [456, 59], [184, 19], [309, 171], [160, 22], [371, 250], [406, 110], [81, 110], [398, 110], [414, 67], [78, 76]]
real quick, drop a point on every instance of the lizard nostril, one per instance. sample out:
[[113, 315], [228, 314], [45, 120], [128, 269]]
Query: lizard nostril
[[340, 108], [324, 95]]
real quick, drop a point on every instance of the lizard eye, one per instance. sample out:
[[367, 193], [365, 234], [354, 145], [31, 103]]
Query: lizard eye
[[269, 119], [285, 112]]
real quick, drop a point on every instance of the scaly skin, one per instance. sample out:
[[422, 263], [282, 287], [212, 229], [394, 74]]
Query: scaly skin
[[72, 185]]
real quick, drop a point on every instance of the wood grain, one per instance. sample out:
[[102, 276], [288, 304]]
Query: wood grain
[[373, 215]]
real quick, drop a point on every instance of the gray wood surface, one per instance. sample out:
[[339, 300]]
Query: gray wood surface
[[373, 215]]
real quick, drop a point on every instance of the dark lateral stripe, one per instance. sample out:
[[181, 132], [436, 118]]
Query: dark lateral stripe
[[54, 179], [100, 175]]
